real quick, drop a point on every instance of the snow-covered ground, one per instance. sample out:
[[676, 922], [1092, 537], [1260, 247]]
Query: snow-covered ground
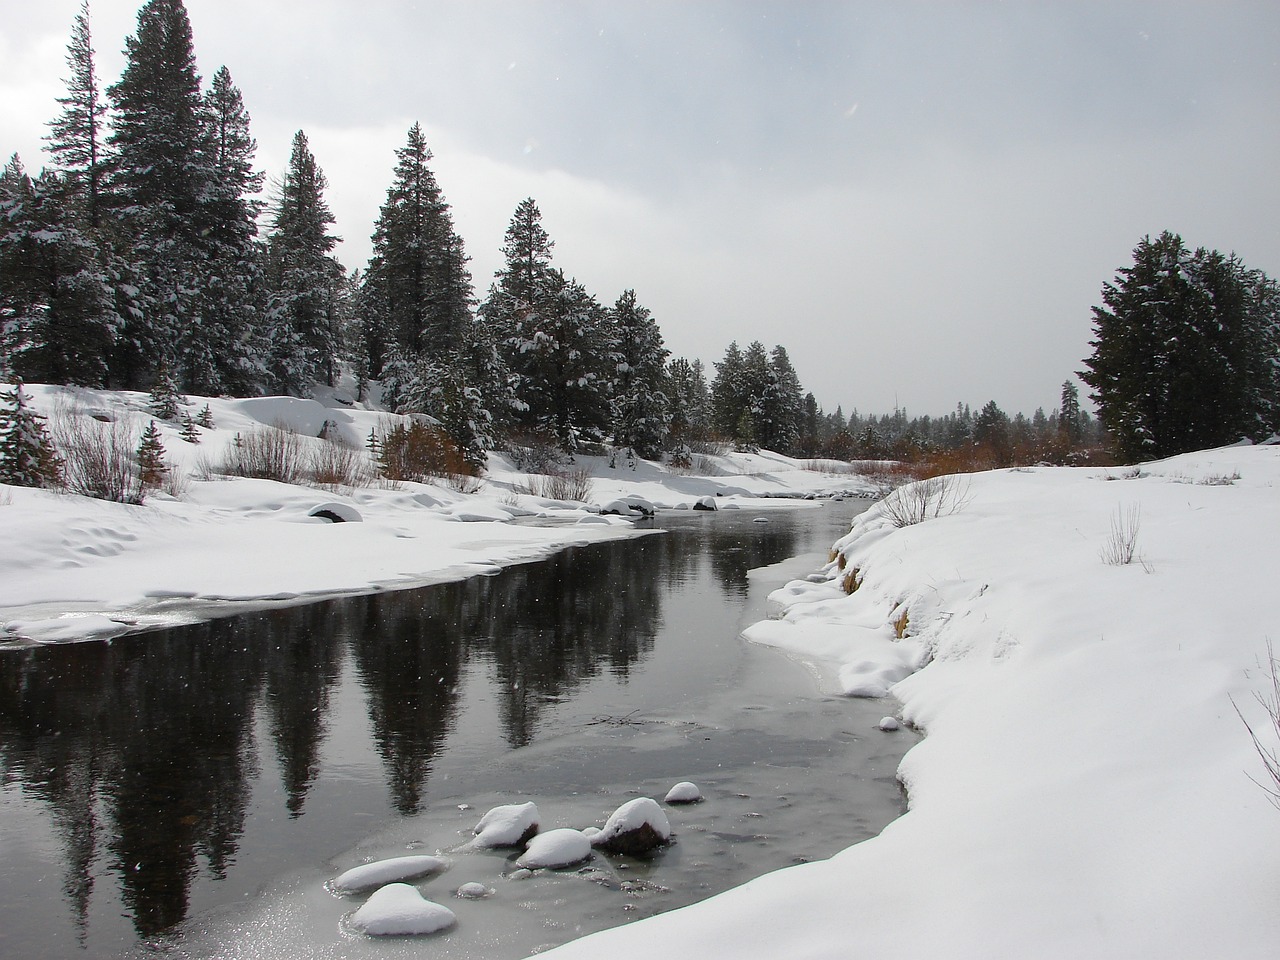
[[73, 568], [1084, 785]]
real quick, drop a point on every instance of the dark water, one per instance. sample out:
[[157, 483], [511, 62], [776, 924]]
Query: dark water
[[189, 790]]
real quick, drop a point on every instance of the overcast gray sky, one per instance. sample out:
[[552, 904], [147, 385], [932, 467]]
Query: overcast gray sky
[[920, 201]]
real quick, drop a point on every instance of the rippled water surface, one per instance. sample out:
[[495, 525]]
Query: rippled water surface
[[190, 790]]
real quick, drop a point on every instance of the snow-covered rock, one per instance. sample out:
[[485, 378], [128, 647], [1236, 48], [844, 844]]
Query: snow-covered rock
[[509, 825], [683, 792], [637, 827], [556, 848], [399, 910], [705, 503], [385, 871], [474, 891], [889, 724]]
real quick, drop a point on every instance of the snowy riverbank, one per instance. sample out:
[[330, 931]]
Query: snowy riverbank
[[1083, 788], [74, 567]]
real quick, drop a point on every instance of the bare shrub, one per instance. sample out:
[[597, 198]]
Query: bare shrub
[[174, 482], [926, 500], [267, 453], [572, 485], [1220, 479], [1121, 545], [464, 483], [332, 466], [97, 456], [1270, 755]]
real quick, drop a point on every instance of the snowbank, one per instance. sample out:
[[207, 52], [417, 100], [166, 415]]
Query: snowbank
[[1083, 788], [76, 568]]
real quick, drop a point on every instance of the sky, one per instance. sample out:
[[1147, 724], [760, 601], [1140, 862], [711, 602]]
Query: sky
[[919, 201]]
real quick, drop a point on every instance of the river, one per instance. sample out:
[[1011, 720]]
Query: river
[[190, 790]]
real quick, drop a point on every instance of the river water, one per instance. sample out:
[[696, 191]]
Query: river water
[[190, 790]]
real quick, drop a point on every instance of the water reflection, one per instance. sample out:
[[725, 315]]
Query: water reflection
[[143, 755]]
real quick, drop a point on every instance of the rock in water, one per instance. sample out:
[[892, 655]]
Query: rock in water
[[556, 848], [385, 871], [399, 910], [636, 828], [683, 792], [889, 724], [510, 825]]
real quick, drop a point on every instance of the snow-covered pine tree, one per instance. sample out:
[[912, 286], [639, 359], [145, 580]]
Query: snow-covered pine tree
[[730, 393], [418, 276], [639, 390], [205, 418], [302, 277], [75, 136], [189, 432], [222, 349], [159, 181], [164, 401], [150, 456], [27, 457], [57, 317], [781, 405], [1184, 354]]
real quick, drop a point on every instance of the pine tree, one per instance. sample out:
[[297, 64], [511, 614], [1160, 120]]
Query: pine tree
[[27, 457], [302, 277], [151, 465], [418, 274], [205, 418], [222, 348], [75, 135], [165, 402], [641, 407], [189, 432], [730, 395], [57, 317], [1184, 355], [159, 180]]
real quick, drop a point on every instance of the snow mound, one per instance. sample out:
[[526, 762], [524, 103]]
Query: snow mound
[[385, 871], [635, 828], [399, 910], [556, 848], [336, 512], [509, 825], [889, 724], [705, 503], [474, 891], [683, 792], [871, 679]]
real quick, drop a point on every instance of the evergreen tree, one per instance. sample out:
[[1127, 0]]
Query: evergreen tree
[[1069, 420], [75, 135], [641, 407], [57, 316], [189, 432], [222, 351], [150, 455], [417, 280], [165, 401], [303, 279], [781, 405], [730, 394], [27, 458], [1184, 352], [159, 180]]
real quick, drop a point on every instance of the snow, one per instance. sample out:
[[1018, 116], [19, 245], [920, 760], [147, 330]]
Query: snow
[[398, 910], [555, 848], [507, 825], [1083, 787], [683, 792], [74, 568], [633, 815], [385, 871]]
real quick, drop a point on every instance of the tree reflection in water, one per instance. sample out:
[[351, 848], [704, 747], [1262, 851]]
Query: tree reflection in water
[[143, 750]]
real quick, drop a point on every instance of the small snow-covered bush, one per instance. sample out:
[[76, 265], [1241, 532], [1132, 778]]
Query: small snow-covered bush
[[926, 500], [97, 456], [534, 453], [267, 453]]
